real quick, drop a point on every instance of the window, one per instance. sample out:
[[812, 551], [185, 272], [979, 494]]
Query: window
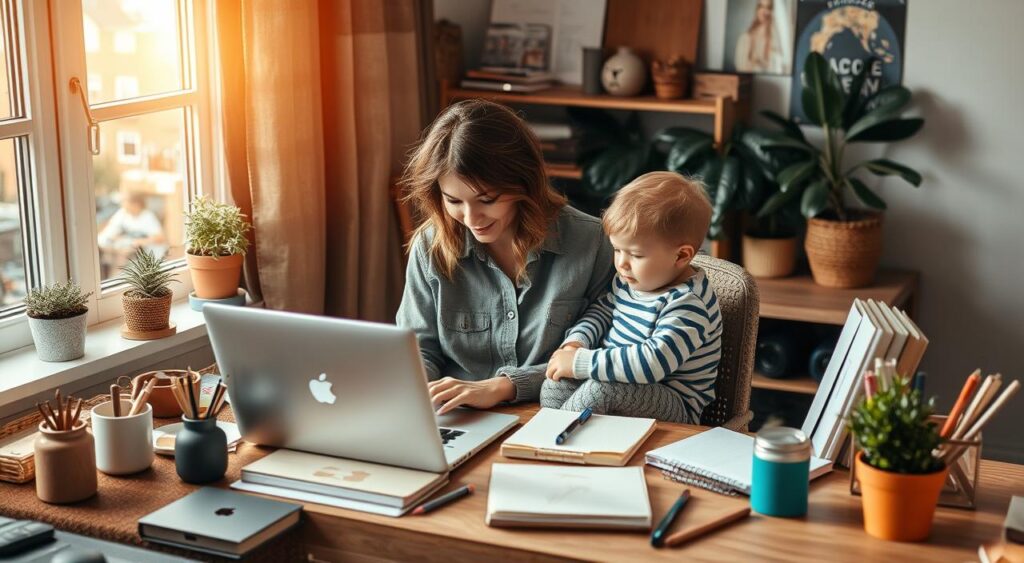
[[59, 191]]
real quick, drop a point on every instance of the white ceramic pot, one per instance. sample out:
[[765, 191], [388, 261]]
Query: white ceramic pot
[[59, 340], [124, 444], [624, 74]]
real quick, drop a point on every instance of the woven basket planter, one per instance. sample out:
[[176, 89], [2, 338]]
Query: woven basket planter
[[769, 257], [146, 314], [844, 253]]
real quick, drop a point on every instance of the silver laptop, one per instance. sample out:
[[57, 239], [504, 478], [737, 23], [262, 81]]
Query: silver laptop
[[337, 387]]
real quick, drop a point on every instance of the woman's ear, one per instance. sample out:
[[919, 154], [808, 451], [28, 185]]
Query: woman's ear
[[684, 254]]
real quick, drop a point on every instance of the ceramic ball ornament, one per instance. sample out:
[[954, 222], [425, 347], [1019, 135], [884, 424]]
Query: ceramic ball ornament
[[624, 74]]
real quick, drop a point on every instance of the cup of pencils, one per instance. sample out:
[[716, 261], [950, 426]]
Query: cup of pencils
[[64, 456], [200, 448], [123, 430]]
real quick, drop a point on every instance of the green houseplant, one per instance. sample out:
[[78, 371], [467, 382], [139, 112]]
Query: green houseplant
[[899, 477], [217, 242], [843, 244], [147, 301], [57, 319]]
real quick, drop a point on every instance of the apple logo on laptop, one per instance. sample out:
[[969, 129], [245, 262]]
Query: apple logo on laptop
[[225, 511], [321, 390]]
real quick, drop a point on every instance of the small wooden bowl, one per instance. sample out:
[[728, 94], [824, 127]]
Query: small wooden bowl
[[162, 398]]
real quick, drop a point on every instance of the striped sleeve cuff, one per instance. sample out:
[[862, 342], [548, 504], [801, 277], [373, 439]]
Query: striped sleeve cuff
[[581, 363], [576, 337]]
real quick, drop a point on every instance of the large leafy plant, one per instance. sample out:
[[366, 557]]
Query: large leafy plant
[[893, 429], [215, 229], [57, 301], [146, 276], [818, 179]]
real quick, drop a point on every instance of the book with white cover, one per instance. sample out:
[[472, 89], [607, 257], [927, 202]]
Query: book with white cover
[[914, 350], [718, 459], [900, 335], [561, 496], [827, 386], [344, 478], [602, 440]]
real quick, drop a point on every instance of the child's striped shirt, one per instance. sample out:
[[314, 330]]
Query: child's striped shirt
[[673, 338]]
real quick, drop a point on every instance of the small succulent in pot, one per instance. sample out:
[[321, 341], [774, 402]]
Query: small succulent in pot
[[57, 319], [147, 301], [218, 239]]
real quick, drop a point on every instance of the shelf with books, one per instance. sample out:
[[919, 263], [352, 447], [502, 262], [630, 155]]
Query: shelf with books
[[798, 298], [802, 384]]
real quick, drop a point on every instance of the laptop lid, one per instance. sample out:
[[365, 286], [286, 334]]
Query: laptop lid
[[330, 386]]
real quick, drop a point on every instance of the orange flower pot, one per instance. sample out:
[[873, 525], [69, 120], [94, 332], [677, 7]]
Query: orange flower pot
[[215, 278], [898, 506]]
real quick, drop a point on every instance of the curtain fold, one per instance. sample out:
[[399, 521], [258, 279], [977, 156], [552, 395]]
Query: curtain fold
[[331, 105]]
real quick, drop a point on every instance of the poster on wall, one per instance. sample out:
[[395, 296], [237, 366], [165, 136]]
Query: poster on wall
[[759, 36], [849, 34]]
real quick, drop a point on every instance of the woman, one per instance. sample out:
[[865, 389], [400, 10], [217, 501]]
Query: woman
[[760, 48], [500, 267]]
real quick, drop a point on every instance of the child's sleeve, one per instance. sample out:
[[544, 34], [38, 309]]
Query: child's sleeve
[[681, 329], [594, 323]]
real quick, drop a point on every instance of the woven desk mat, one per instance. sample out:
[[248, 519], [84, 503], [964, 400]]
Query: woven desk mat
[[113, 513]]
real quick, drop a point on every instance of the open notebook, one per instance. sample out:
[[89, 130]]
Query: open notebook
[[718, 459], [602, 440]]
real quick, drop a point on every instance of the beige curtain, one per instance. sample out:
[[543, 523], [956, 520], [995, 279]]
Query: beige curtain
[[322, 100]]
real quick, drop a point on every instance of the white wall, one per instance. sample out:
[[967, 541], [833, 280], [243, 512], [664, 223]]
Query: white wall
[[964, 228]]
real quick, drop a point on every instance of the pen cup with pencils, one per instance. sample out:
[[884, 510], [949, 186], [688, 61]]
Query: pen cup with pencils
[[65, 463], [124, 444], [200, 448]]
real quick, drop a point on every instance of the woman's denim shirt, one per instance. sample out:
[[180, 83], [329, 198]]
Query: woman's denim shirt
[[477, 326]]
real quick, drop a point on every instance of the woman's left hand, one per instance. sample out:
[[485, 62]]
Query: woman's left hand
[[450, 393]]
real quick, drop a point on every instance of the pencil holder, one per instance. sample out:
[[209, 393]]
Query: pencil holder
[[124, 444], [200, 451], [65, 464]]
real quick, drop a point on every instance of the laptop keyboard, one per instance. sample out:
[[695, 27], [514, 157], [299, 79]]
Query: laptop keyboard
[[449, 434]]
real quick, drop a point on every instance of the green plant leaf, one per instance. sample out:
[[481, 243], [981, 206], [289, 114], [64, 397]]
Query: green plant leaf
[[788, 126], [728, 184], [853, 105], [889, 130], [821, 99], [793, 175], [891, 98], [777, 202], [865, 194], [613, 168], [886, 167], [815, 198], [684, 154]]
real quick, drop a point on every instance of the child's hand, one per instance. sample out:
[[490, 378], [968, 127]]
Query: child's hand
[[560, 364], [572, 345]]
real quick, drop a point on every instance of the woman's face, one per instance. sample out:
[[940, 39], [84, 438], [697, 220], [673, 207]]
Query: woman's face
[[488, 216], [764, 11]]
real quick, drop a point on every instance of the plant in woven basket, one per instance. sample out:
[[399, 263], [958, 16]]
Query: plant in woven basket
[[57, 301], [146, 276], [215, 229], [893, 429]]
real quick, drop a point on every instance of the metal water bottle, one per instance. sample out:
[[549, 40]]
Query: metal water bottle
[[782, 458]]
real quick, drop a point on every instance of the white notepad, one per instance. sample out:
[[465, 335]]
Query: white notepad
[[718, 459], [569, 497], [602, 440]]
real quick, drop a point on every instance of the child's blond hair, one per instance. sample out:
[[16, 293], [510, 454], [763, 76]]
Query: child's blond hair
[[662, 204]]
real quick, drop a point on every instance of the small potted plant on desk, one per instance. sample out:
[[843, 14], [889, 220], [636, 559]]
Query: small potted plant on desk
[[217, 243], [57, 319], [843, 244], [900, 478], [147, 302]]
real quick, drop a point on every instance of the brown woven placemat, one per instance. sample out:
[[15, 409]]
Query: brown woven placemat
[[114, 512]]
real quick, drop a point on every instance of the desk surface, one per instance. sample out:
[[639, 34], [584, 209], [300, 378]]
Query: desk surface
[[832, 529]]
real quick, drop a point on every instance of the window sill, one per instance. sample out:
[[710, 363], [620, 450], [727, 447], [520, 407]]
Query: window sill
[[25, 375]]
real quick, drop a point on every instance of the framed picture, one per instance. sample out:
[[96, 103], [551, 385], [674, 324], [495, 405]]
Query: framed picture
[[759, 36]]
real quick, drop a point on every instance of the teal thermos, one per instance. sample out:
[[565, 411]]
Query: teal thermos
[[782, 458]]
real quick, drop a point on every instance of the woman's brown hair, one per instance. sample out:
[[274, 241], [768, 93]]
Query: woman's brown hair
[[493, 151]]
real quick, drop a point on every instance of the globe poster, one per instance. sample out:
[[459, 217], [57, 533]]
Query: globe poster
[[851, 35]]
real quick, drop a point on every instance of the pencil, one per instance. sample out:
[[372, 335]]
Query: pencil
[[115, 399], [142, 398], [46, 419], [966, 392], [53, 416], [684, 536], [77, 412], [953, 454], [192, 397], [981, 401]]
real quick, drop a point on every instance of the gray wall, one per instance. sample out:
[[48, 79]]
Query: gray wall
[[963, 228]]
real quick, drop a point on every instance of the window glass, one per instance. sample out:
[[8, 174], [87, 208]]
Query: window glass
[[12, 256]]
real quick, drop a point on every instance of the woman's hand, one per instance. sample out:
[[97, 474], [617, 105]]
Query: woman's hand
[[449, 393], [560, 364]]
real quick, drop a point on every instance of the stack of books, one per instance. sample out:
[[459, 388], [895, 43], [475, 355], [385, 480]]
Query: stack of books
[[873, 331], [559, 142], [513, 79]]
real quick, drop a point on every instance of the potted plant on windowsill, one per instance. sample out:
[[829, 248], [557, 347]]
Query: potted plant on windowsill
[[147, 301], [843, 244], [217, 242], [57, 319], [900, 478]]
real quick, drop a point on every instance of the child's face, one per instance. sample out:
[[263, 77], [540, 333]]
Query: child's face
[[488, 216], [648, 263]]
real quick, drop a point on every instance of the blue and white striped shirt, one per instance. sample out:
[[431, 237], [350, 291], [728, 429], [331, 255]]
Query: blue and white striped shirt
[[673, 338]]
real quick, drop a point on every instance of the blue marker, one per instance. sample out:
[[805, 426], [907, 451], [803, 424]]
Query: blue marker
[[583, 417]]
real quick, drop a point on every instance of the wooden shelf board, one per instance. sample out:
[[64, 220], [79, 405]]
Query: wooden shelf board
[[564, 171], [800, 299], [573, 96], [803, 384]]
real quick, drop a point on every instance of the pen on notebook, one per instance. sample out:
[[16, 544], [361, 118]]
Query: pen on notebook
[[583, 417], [658, 536], [444, 499]]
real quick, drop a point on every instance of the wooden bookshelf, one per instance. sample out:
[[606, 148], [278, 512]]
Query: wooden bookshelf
[[569, 171], [800, 299], [803, 384]]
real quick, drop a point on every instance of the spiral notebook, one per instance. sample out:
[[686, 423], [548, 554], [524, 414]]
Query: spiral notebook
[[718, 459]]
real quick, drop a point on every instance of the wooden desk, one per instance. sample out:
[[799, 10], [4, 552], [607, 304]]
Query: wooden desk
[[832, 530]]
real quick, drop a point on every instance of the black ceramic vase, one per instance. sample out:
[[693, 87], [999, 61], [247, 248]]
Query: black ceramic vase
[[200, 451]]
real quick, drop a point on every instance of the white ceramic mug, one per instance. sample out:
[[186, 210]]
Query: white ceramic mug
[[124, 444]]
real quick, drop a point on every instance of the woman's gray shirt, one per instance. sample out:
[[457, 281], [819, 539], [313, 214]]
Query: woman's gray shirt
[[477, 326]]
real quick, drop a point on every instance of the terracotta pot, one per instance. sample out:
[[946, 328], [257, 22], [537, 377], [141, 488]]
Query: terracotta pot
[[898, 506], [162, 398], [844, 253], [146, 314], [215, 278], [769, 257], [65, 464]]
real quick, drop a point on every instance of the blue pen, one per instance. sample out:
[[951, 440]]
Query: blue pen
[[583, 417], [919, 382], [658, 537]]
